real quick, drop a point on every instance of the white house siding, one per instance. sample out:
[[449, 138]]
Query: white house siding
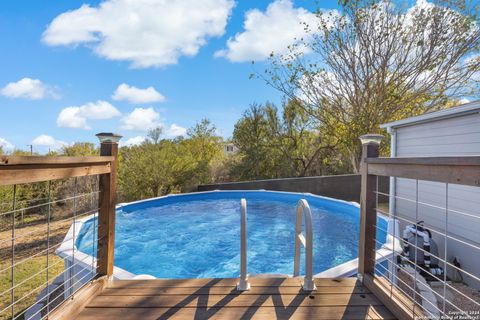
[[458, 136]]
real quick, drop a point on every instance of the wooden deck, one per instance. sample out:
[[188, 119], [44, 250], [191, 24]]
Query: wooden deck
[[269, 298]]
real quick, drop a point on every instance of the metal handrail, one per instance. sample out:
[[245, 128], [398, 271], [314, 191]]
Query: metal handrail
[[243, 284], [307, 242]]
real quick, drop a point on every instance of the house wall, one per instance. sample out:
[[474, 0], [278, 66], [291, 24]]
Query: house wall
[[459, 136]]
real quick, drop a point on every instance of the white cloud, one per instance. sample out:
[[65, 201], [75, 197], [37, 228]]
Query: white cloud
[[71, 118], [44, 140], [141, 119], [27, 88], [135, 141], [137, 95], [266, 32], [5, 144], [149, 33], [175, 130], [76, 117]]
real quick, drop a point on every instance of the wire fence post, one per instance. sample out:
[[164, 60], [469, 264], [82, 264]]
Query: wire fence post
[[14, 205], [49, 213], [106, 213]]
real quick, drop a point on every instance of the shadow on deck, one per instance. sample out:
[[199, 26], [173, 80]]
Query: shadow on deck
[[269, 298]]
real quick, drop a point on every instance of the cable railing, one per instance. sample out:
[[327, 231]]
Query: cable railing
[[35, 278], [28, 266], [432, 276]]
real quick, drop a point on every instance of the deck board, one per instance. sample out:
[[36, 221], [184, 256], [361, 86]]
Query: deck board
[[269, 298]]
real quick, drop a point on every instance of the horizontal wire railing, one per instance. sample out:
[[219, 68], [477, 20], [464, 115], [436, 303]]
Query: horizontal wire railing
[[43, 285], [434, 292], [31, 248], [428, 204], [426, 266], [436, 277], [75, 264], [403, 242], [407, 286], [24, 235], [57, 303], [48, 203], [432, 229], [414, 290], [43, 270]]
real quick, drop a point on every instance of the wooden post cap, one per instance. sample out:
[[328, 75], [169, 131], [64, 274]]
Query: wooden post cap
[[371, 138], [108, 137]]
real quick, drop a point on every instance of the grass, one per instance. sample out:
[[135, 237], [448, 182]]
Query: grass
[[31, 259], [33, 275]]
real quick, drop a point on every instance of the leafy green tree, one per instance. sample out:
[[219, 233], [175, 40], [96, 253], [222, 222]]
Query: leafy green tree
[[205, 147], [275, 144], [252, 137], [169, 165], [299, 141]]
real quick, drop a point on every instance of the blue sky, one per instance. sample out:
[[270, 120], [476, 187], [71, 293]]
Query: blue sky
[[73, 58]]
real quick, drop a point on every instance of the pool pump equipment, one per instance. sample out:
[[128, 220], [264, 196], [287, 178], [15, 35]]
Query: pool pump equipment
[[414, 235]]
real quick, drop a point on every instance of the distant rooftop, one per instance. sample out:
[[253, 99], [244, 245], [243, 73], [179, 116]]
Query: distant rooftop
[[464, 109]]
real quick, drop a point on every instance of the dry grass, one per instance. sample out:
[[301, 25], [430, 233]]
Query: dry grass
[[31, 261]]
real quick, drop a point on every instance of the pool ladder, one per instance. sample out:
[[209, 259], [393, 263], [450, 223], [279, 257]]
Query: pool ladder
[[303, 209]]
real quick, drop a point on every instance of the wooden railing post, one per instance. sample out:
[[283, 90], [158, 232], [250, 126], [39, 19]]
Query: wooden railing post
[[368, 212], [106, 204]]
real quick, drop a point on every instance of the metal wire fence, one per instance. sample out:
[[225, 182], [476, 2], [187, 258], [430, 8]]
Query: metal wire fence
[[41, 264], [428, 267]]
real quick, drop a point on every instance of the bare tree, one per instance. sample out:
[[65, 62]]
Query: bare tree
[[377, 61], [154, 134]]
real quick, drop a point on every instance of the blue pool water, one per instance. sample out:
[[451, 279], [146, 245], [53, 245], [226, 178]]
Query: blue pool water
[[198, 235]]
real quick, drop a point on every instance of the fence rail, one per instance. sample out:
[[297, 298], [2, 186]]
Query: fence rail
[[417, 283], [456, 170], [28, 245], [22, 169]]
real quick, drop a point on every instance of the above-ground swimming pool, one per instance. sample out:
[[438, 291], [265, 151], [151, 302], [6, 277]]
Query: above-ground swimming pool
[[197, 235]]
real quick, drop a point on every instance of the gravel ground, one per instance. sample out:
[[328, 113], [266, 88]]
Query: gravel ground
[[458, 296], [457, 299]]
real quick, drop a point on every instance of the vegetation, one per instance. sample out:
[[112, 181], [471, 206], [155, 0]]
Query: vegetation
[[377, 61], [160, 166], [286, 143]]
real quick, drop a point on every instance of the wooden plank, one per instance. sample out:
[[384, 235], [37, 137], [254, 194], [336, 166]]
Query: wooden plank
[[399, 304], [10, 175], [239, 300], [42, 160], [456, 174], [152, 291], [106, 213], [431, 161], [70, 308], [368, 213], [295, 313], [229, 282]]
